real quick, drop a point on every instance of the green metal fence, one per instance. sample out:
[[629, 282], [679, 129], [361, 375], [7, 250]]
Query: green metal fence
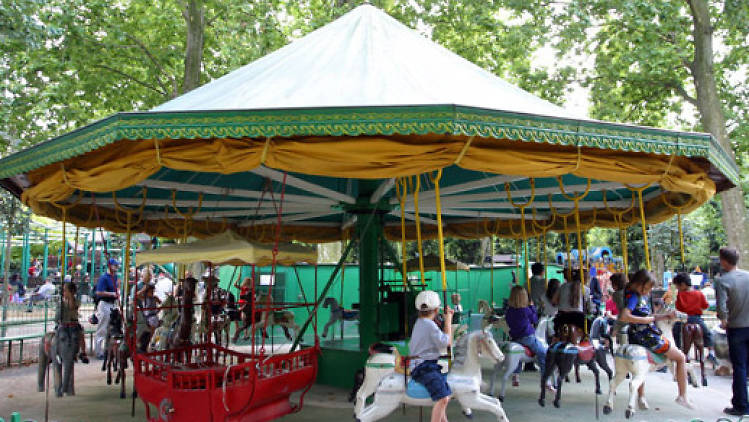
[[25, 325]]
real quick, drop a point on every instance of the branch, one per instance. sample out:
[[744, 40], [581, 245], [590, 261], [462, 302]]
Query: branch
[[216, 16], [679, 88], [689, 65], [153, 60], [132, 78]]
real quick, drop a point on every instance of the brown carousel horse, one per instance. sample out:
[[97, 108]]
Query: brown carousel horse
[[691, 338]]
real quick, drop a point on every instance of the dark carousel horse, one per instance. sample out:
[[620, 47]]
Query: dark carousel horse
[[692, 338], [566, 354], [116, 352]]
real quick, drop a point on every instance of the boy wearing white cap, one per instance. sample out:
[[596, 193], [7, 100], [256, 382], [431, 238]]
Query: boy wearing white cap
[[426, 343]]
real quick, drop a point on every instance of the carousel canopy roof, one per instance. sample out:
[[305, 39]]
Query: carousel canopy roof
[[323, 130], [365, 58], [227, 248]]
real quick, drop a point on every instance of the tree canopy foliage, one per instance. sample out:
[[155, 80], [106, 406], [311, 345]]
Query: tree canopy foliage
[[66, 63]]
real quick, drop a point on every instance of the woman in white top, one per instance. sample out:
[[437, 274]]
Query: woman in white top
[[548, 307], [570, 301]]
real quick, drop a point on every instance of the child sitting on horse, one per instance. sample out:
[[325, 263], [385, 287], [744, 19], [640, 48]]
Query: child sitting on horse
[[426, 343], [644, 332], [68, 317], [691, 302], [521, 316]]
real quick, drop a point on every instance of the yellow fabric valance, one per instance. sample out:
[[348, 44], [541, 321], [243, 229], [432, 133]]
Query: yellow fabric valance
[[126, 163]]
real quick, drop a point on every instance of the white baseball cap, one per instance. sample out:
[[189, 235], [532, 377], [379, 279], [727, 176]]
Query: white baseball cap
[[427, 300]]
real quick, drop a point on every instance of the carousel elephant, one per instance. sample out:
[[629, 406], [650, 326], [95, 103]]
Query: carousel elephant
[[59, 349]]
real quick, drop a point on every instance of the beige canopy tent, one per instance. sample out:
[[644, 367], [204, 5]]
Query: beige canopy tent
[[432, 263], [228, 248]]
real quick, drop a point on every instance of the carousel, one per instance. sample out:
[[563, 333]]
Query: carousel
[[362, 130]]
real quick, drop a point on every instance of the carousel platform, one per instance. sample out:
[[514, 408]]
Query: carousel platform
[[95, 401]]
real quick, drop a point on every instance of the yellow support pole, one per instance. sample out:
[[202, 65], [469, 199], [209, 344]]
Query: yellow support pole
[[619, 220], [418, 228], [401, 189], [492, 233], [522, 207], [65, 209], [681, 232], [576, 199], [544, 229], [565, 229], [436, 181], [491, 276], [643, 222]]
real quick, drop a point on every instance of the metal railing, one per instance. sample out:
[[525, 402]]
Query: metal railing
[[25, 324]]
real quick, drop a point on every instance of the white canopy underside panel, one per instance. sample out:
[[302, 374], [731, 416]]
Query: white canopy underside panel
[[365, 58]]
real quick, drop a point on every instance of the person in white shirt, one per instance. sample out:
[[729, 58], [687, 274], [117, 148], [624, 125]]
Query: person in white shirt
[[164, 286]]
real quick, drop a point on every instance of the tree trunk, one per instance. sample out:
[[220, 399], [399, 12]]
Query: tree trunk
[[713, 120], [194, 14]]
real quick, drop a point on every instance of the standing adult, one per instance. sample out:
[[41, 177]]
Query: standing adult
[[538, 285], [733, 311], [106, 292]]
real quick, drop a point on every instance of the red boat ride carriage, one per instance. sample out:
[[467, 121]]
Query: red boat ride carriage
[[203, 380]]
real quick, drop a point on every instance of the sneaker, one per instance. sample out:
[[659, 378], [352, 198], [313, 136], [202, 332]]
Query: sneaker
[[734, 412], [515, 380], [642, 403], [683, 401], [712, 359], [84, 358]]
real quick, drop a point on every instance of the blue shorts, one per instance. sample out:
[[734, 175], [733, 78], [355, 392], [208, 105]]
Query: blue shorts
[[650, 339], [429, 374]]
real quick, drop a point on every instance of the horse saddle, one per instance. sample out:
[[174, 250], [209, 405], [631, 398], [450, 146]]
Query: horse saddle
[[416, 390], [349, 314], [515, 348], [400, 363], [656, 359], [586, 351]]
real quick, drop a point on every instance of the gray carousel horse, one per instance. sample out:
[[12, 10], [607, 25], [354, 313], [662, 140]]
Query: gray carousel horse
[[59, 349], [515, 353], [337, 313]]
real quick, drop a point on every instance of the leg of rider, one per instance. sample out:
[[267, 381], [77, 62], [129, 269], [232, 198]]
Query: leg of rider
[[438, 410], [681, 369], [537, 348]]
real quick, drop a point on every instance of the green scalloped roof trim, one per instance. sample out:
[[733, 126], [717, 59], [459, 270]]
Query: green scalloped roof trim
[[355, 121]]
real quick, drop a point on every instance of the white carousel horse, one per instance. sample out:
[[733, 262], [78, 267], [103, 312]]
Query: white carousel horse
[[516, 353], [464, 379], [337, 313], [384, 358], [638, 361]]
